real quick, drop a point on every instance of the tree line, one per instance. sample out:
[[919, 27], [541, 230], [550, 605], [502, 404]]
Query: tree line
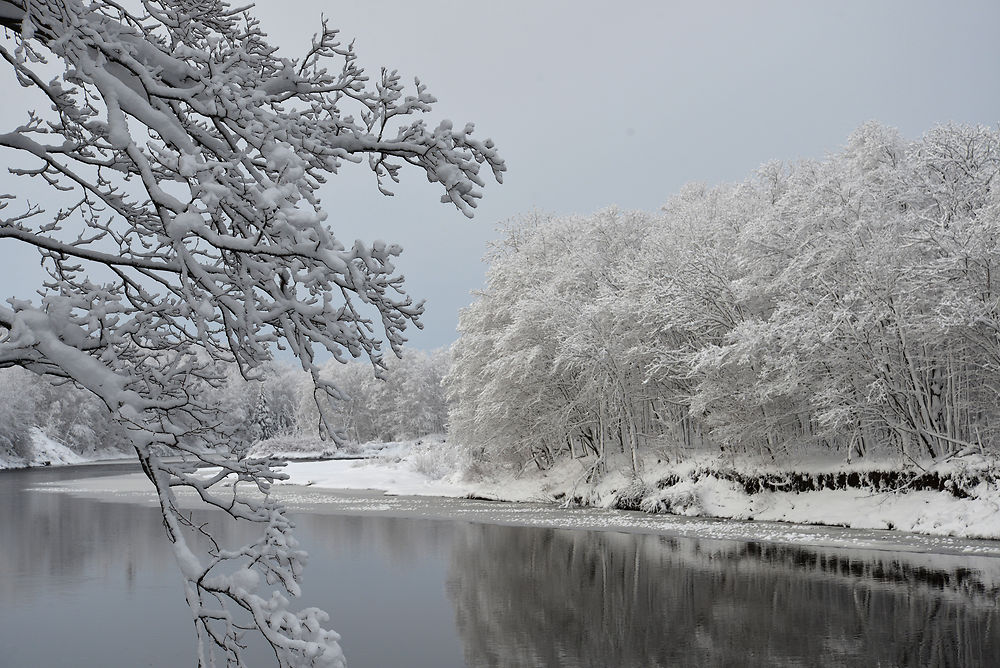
[[840, 305]]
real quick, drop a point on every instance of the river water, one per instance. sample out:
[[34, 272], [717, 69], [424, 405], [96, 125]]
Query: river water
[[87, 579]]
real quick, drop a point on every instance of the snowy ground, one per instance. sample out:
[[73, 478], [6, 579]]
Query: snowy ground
[[427, 468], [311, 498], [409, 468], [418, 470]]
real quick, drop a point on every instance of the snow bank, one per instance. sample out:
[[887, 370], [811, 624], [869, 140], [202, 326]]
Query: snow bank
[[362, 474], [430, 469], [692, 489], [48, 452], [405, 468]]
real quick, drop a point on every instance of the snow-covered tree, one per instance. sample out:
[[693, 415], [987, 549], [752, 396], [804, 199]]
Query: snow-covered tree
[[73, 416], [261, 420], [543, 367], [847, 305], [420, 407], [66, 414], [189, 235], [873, 276]]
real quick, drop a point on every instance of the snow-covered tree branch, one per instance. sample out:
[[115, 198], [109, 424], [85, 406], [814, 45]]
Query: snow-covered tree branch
[[186, 232]]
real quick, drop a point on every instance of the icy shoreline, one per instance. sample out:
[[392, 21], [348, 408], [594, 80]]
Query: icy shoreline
[[703, 489], [698, 488]]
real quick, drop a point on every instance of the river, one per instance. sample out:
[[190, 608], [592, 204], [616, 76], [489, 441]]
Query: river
[[87, 579]]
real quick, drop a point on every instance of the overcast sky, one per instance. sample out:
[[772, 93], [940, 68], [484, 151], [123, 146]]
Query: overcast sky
[[594, 104]]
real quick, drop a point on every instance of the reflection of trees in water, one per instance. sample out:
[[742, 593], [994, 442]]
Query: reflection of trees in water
[[395, 538], [533, 597], [58, 534], [575, 598]]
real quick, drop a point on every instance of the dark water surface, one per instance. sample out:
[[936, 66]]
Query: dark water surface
[[85, 582]]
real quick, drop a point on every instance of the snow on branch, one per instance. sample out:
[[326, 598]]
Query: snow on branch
[[188, 235]]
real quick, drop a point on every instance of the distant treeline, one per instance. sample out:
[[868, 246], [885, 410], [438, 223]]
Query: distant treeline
[[63, 411], [408, 403]]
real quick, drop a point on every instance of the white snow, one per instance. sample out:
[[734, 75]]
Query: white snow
[[404, 468], [429, 468], [365, 474], [406, 473]]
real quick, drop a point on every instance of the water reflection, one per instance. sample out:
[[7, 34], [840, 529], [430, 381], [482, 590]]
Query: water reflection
[[84, 583], [572, 598], [100, 577], [61, 536]]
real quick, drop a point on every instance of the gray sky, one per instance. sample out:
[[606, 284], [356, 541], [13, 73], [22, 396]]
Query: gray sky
[[595, 104]]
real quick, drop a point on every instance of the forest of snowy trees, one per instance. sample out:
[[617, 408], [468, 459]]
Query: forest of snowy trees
[[406, 403], [845, 305]]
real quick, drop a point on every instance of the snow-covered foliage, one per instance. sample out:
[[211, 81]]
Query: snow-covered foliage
[[542, 367], [185, 234], [268, 405], [846, 305]]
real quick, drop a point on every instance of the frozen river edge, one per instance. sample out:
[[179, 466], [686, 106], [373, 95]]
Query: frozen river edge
[[133, 488]]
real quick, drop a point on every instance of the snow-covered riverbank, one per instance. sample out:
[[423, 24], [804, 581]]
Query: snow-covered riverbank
[[701, 488], [707, 488]]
